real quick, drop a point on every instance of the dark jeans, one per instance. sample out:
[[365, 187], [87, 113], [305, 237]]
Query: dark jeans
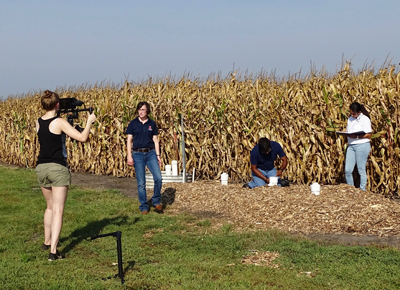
[[141, 160]]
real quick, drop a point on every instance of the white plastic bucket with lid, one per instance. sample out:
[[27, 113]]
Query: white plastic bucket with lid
[[224, 178], [168, 169], [273, 180], [315, 188], [174, 168]]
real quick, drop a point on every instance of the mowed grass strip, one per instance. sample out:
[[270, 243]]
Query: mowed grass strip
[[164, 251]]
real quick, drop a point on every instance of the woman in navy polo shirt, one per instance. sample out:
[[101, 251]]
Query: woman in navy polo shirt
[[143, 150]]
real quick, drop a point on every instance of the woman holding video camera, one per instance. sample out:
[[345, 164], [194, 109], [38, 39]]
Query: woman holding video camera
[[52, 168], [359, 144], [143, 150]]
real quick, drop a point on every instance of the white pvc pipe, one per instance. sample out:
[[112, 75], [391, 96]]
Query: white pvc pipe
[[174, 168]]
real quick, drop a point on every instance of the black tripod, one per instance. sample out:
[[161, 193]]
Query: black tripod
[[119, 251]]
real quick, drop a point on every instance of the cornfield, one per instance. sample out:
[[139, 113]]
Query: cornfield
[[223, 120]]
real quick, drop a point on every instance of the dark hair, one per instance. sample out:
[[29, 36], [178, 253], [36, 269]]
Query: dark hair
[[264, 144], [49, 100], [141, 104], [357, 107]]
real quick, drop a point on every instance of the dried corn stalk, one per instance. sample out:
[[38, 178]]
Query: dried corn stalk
[[223, 119]]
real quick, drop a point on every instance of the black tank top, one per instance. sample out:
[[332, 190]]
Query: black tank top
[[52, 146]]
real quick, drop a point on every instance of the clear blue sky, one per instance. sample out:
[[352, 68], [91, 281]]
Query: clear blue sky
[[50, 44]]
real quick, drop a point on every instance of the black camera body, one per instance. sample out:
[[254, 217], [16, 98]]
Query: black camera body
[[69, 106], [69, 103]]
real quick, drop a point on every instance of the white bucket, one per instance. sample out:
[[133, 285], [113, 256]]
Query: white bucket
[[174, 168], [224, 178], [273, 180], [168, 169], [315, 188]]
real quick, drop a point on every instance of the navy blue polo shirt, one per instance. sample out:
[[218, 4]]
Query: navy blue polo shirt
[[142, 133], [266, 161]]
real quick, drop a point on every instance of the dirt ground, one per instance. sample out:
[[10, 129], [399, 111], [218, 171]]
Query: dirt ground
[[128, 187]]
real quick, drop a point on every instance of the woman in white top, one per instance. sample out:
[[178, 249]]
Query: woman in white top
[[359, 143]]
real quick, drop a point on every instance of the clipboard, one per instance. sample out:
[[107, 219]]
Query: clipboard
[[348, 133]]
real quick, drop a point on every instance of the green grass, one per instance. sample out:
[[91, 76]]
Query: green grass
[[165, 252]]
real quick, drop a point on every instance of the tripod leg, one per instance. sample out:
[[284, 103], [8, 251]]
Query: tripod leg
[[119, 251]]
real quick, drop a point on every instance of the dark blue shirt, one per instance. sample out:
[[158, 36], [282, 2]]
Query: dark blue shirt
[[266, 161], [142, 133]]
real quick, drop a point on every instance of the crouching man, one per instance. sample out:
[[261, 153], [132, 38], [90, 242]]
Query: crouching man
[[262, 159]]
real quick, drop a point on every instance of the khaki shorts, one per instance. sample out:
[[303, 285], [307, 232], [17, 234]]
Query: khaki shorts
[[53, 175]]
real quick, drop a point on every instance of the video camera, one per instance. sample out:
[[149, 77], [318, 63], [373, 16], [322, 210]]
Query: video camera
[[69, 106]]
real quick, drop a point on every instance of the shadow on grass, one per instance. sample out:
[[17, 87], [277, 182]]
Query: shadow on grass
[[92, 229], [131, 264]]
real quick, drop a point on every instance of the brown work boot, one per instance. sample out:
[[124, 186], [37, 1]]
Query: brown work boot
[[144, 212], [158, 208]]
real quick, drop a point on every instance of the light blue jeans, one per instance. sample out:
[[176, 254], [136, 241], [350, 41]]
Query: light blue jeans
[[357, 154], [257, 181], [140, 161]]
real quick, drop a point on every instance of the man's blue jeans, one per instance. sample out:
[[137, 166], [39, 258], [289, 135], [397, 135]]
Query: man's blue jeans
[[357, 153], [257, 181], [140, 161]]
